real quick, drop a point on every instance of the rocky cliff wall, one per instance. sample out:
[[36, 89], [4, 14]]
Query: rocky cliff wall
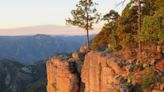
[[102, 72], [99, 73], [61, 75]]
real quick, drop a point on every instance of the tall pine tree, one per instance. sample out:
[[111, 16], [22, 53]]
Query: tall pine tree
[[84, 16]]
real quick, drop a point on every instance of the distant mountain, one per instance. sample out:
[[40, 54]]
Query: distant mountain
[[30, 49], [15, 77], [46, 29]]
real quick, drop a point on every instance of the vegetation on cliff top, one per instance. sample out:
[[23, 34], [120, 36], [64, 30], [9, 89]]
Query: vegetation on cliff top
[[121, 31]]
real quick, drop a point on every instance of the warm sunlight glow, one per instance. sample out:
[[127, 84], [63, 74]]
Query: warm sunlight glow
[[23, 13]]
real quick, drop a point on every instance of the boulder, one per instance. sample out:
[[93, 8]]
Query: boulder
[[77, 56], [162, 87], [83, 49]]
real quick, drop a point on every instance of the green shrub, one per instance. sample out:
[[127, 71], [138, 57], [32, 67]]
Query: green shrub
[[147, 79], [162, 79], [113, 48], [143, 60]]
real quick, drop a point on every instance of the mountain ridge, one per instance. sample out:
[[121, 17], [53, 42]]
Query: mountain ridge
[[30, 49]]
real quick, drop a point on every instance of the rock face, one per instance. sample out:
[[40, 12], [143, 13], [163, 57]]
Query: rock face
[[61, 75], [102, 72], [99, 72]]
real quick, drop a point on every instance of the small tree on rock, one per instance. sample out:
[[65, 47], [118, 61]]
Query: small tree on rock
[[84, 16]]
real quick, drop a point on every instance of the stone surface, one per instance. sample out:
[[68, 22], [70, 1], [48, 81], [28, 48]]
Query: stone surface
[[83, 49], [162, 87], [61, 75], [157, 91], [77, 56], [101, 72], [98, 73]]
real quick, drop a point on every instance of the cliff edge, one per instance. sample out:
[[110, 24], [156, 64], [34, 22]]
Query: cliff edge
[[61, 75], [104, 72]]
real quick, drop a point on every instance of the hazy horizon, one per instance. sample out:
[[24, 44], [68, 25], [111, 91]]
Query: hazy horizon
[[29, 13], [47, 30]]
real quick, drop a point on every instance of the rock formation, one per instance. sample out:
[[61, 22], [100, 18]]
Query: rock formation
[[61, 75], [99, 73], [103, 72]]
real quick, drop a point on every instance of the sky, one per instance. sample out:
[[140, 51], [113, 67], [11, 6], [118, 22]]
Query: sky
[[24, 13]]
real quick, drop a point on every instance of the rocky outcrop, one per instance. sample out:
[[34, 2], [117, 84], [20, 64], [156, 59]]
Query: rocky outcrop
[[61, 75], [99, 73], [104, 72]]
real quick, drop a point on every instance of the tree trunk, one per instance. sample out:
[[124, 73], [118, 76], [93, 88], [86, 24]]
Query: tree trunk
[[88, 39], [87, 28], [160, 51], [139, 28]]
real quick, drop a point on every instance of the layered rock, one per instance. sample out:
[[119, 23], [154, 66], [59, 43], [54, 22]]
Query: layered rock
[[61, 75]]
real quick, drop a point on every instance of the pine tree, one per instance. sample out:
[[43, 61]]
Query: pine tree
[[84, 16]]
